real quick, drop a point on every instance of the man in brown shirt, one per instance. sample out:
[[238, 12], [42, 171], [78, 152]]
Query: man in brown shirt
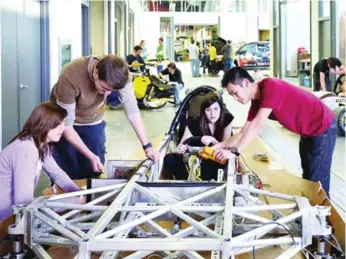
[[82, 88]]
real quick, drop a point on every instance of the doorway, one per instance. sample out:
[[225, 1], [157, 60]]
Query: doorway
[[21, 65]]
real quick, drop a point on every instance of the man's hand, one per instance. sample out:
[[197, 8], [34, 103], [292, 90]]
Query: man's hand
[[96, 163], [332, 70], [206, 140], [224, 154], [152, 154]]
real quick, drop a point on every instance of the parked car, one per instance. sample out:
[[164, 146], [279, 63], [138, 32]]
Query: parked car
[[253, 55]]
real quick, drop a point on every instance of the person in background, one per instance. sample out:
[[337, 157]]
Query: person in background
[[82, 89], [28, 153], [212, 58], [144, 51], [227, 56], [205, 56], [214, 125], [135, 61], [160, 55], [194, 58], [322, 73], [176, 80], [272, 98]]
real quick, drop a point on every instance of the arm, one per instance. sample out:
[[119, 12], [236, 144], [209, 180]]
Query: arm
[[341, 70], [187, 134], [227, 132], [322, 81], [24, 174], [253, 129], [58, 175], [232, 141], [163, 72]]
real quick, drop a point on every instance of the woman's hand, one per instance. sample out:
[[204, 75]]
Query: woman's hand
[[206, 140], [181, 149]]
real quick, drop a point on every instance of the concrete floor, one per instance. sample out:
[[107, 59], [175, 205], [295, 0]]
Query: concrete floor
[[122, 142]]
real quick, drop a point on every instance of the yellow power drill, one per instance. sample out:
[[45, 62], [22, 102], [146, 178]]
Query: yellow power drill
[[209, 153]]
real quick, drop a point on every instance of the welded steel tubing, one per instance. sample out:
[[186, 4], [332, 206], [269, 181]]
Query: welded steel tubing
[[113, 209], [55, 241], [69, 206], [264, 192], [89, 191], [265, 207], [196, 224], [56, 226], [135, 222], [258, 232], [156, 244], [93, 202]]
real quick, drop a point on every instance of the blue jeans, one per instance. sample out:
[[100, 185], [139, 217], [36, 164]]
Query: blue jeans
[[76, 165], [159, 68], [227, 64], [316, 155], [178, 93], [113, 99], [194, 67]]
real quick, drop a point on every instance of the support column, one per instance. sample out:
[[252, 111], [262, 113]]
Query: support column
[[271, 36], [314, 32]]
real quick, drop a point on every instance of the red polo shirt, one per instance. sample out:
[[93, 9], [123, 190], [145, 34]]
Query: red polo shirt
[[296, 109]]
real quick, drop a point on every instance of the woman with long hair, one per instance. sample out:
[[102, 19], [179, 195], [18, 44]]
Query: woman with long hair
[[214, 126], [28, 153]]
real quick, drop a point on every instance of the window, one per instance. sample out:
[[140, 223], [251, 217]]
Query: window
[[324, 8], [248, 49], [237, 6], [276, 12], [263, 6]]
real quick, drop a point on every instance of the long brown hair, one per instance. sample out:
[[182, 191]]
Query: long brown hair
[[208, 100], [46, 116]]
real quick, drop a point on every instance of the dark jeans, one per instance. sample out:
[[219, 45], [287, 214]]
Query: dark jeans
[[227, 65], [205, 61], [174, 165], [74, 163], [316, 155], [317, 82]]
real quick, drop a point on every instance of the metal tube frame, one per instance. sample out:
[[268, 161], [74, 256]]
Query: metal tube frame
[[130, 214]]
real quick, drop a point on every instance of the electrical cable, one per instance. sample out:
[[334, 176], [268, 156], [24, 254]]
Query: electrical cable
[[336, 247], [306, 250], [259, 179], [283, 226], [254, 251]]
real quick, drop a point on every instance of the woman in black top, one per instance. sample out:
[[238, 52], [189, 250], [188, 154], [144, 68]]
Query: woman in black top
[[214, 126]]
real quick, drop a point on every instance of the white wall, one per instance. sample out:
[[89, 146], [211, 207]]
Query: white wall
[[195, 18], [296, 32], [233, 27], [65, 24], [264, 21]]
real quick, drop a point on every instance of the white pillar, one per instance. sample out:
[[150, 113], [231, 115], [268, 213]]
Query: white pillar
[[251, 10]]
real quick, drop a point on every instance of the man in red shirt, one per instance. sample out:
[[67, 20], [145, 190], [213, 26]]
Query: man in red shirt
[[296, 109]]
